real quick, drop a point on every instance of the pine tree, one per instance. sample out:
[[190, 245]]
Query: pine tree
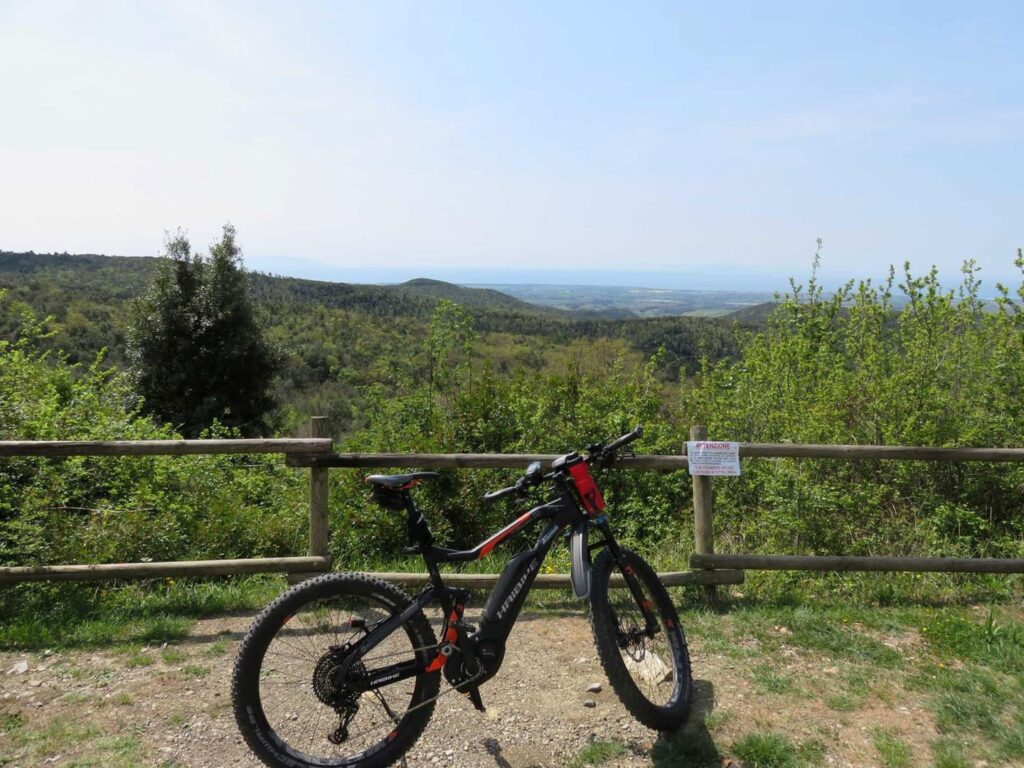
[[196, 345]]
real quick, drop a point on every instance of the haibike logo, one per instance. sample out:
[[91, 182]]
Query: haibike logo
[[518, 588], [384, 679]]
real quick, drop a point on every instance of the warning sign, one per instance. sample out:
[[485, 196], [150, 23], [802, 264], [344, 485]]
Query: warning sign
[[711, 457]]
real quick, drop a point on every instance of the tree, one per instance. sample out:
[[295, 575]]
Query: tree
[[196, 345]]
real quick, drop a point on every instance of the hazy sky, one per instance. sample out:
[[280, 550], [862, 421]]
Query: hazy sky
[[441, 138]]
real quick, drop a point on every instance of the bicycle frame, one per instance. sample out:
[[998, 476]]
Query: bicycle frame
[[501, 608], [483, 650]]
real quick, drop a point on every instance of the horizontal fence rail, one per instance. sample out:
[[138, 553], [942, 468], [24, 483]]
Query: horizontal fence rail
[[653, 461], [57, 448], [469, 460], [108, 571], [859, 563], [898, 452], [562, 580]]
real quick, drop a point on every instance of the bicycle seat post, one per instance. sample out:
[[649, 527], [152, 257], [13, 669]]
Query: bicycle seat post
[[417, 530]]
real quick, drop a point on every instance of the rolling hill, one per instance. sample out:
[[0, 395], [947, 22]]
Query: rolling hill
[[340, 338]]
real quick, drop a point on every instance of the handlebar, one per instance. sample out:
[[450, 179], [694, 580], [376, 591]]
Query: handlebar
[[598, 454]]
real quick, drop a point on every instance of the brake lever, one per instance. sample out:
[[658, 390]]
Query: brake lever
[[609, 458]]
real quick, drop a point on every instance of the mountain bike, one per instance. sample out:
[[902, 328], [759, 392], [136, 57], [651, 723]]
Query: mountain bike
[[344, 669]]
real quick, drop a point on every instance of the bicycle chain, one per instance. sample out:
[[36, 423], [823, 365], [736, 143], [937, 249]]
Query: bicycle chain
[[454, 688]]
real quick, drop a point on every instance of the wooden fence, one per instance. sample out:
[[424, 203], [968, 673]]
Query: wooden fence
[[704, 555], [316, 561], [315, 454]]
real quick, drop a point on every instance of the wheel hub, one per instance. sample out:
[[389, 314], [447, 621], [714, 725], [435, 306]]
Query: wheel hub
[[632, 639]]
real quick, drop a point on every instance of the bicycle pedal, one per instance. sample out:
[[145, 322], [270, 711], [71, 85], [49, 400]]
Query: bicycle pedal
[[474, 696]]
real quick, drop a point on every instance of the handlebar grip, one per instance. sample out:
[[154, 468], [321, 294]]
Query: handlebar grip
[[501, 493], [626, 439]]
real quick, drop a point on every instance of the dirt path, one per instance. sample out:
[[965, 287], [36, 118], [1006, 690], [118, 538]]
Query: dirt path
[[170, 707]]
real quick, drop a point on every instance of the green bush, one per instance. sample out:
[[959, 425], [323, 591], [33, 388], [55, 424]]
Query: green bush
[[465, 406], [935, 368]]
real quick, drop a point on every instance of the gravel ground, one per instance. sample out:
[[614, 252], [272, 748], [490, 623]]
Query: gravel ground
[[170, 706], [175, 702]]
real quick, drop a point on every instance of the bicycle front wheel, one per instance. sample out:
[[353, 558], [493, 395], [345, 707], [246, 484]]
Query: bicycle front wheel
[[289, 703], [649, 668]]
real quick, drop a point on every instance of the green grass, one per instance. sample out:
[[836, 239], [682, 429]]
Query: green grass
[[843, 702], [963, 663], [717, 719], [121, 751], [767, 679], [69, 616], [217, 648], [598, 753], [768, 749], [968, 699], [173, 655], [892, 750], [765, 749], [77, 697], [57, 736], [11, 722], [987, 639], [136, 658], [858, 680], [974, 684], [708, 628], [194, 670], [948, 753], [825, 631]]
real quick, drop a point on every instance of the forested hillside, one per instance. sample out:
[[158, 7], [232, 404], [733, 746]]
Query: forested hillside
[[338, 339]]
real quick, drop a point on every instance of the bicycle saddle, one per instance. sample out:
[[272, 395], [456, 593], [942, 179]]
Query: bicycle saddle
[[399, 482]]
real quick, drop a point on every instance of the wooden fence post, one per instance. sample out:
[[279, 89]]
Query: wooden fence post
[[703, 528], [319, 533]]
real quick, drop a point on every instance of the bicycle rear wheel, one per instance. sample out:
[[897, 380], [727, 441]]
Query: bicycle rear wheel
[[650, 672], [289, 704]]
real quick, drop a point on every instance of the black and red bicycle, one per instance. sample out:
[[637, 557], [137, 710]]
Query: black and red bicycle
[[344, 669]]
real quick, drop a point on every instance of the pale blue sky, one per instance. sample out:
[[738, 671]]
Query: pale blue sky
[[392, 139]]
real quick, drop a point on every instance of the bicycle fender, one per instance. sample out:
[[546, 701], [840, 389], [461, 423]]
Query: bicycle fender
[[580, 560]]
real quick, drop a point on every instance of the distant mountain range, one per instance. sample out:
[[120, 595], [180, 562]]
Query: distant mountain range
[[118, 278]]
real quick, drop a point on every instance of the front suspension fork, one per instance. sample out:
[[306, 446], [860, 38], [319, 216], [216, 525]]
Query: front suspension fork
[[632, 582]]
